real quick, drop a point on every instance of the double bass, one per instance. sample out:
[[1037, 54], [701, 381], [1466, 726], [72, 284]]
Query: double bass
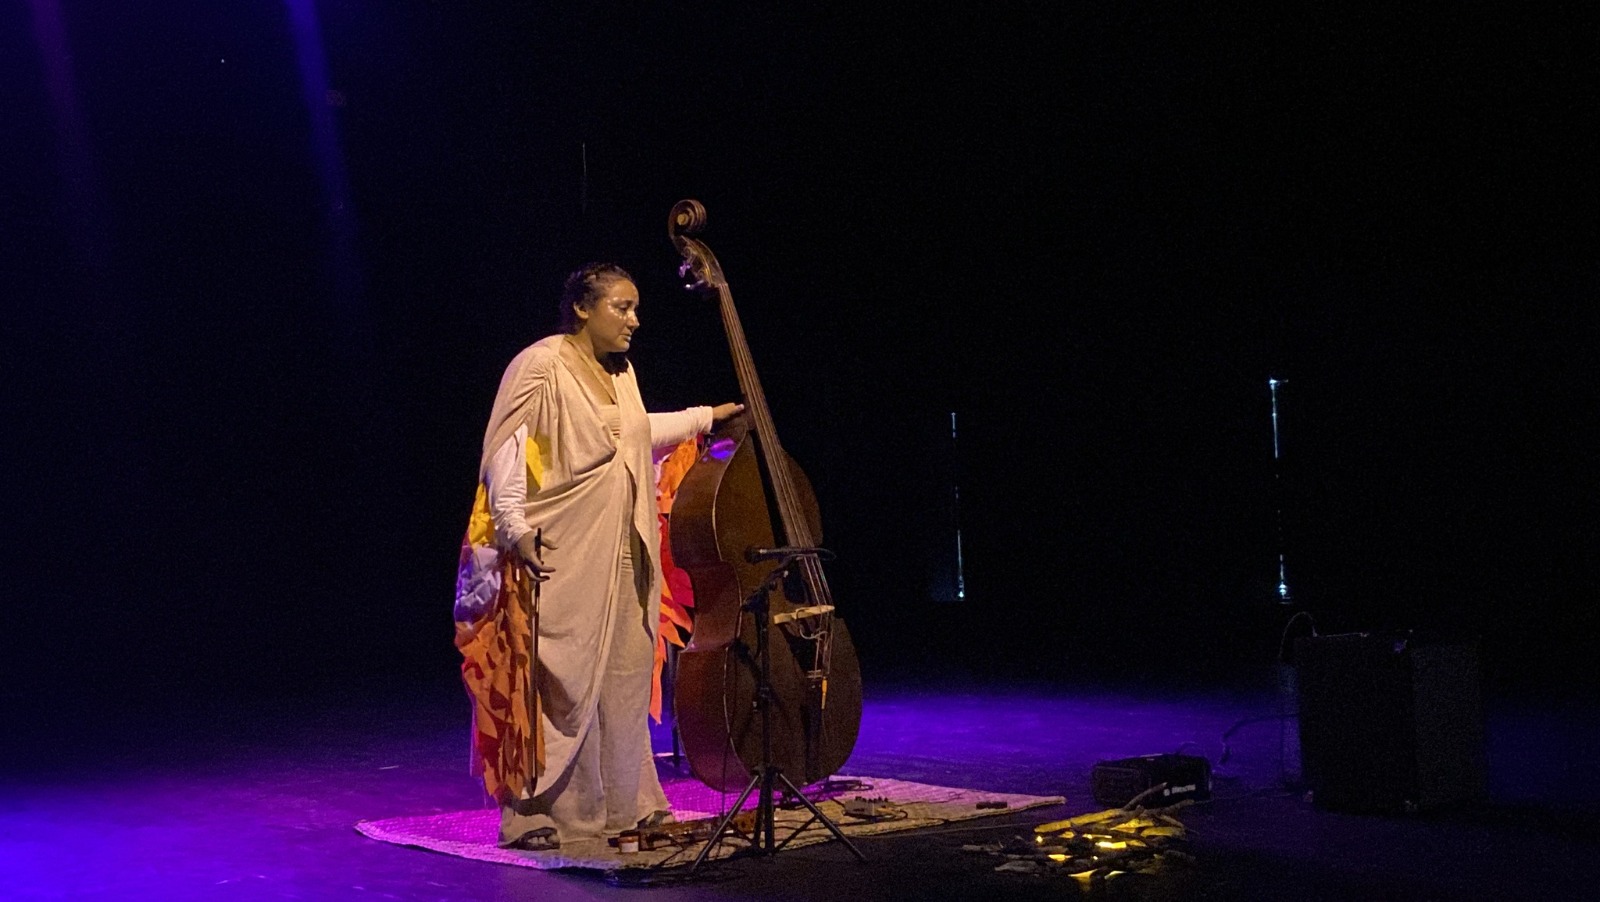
[[745, 495]]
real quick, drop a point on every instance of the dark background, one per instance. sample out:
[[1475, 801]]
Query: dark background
[[256, 309]]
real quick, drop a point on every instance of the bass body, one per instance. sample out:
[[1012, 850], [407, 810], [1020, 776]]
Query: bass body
[[801, 716]]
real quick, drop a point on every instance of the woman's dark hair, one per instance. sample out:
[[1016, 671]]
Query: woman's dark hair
[[583, 288]]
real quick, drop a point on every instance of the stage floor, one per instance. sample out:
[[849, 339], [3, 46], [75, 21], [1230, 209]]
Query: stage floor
[[260, 801]]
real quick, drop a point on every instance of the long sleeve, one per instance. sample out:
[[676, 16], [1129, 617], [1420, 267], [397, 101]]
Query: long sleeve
[[668, 430], [507, 479]]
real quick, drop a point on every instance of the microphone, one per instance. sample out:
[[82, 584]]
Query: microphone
[[757, 555]]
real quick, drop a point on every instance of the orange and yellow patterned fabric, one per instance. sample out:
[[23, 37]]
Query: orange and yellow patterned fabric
[[677, 596], [496, 667]]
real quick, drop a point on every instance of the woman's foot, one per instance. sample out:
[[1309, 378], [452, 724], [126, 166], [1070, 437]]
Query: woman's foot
[[543, 839], [657, 819]]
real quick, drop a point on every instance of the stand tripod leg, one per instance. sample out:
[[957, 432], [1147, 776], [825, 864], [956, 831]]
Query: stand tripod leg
[[727, 821], [817, 815]]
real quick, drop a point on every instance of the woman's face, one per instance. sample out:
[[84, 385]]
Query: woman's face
[[613, 318]]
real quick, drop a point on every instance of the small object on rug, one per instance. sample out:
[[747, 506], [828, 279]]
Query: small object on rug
[[679, 834], [862, 807]]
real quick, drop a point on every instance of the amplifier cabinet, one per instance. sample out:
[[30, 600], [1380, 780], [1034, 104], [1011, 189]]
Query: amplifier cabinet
[[1389, 723]]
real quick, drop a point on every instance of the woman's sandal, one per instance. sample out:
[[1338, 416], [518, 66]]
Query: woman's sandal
[[543, 839], [658, 819]]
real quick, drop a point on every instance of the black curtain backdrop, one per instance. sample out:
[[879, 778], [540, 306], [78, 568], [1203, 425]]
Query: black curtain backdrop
[[254, 321]]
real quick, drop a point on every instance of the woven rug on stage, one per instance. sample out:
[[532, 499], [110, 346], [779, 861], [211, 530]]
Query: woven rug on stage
[[894, 805]]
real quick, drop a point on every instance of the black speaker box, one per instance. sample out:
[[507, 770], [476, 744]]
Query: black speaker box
[[1390, 723]]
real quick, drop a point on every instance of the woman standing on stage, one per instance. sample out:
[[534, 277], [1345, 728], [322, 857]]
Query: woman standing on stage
[[561, 567]]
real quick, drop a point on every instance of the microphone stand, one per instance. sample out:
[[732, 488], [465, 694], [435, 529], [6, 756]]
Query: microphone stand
[[768, 775]]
